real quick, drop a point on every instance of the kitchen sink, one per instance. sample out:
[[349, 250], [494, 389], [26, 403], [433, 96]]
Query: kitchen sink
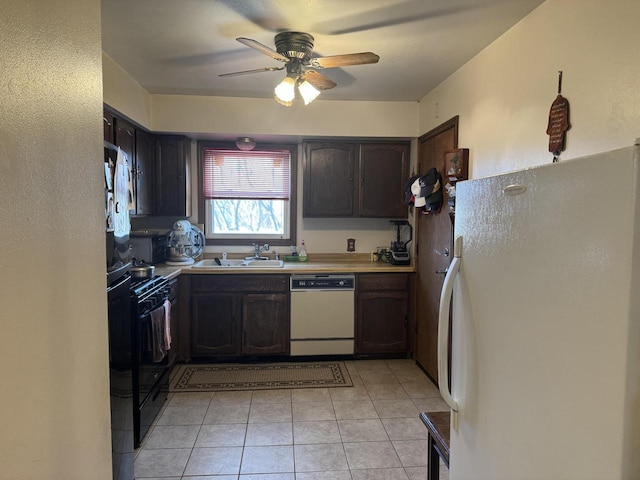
[[238, 263]]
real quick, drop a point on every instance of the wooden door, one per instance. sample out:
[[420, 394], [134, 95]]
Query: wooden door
[[434, 249]]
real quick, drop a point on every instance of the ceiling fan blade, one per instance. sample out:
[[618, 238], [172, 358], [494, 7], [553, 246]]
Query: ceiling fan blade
[[344, 60], [262, 49], [318, 80], [257, 70]]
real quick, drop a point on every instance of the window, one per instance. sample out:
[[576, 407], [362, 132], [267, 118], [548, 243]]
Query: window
[[248, 196]]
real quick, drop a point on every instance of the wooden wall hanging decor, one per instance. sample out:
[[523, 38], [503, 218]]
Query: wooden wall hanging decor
[[558, 122]]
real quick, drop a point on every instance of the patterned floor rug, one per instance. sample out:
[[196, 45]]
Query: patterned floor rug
[[229, 377]]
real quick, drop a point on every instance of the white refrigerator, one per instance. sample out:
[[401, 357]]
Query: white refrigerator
[[545, 360]]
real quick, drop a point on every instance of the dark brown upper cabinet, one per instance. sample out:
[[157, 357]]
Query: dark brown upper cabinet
[[124, 136], [173, 185], [143, 173], [107, 124], [328, 188], [160, 167], [351, 179]]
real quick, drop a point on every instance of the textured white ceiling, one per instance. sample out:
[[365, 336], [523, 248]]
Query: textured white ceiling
[[181, 46]]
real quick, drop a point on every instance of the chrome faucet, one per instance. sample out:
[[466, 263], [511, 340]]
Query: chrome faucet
[[258, 249]]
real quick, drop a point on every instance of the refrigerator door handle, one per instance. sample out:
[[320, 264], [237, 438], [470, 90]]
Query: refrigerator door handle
[[443, 328]]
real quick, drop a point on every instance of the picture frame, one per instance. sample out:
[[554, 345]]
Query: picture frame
[[456, 164]]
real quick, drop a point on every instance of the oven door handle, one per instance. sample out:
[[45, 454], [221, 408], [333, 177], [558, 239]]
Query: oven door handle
[[119, 284]]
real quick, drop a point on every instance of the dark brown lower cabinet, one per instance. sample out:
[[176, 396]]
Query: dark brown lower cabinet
[[215, 324], [265, 322], [382, 313], [234, 315]]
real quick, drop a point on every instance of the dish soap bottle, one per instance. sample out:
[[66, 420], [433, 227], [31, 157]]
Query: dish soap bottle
[[302, 254]]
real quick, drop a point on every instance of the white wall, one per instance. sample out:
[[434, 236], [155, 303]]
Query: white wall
[[54, 405], [503, 95]]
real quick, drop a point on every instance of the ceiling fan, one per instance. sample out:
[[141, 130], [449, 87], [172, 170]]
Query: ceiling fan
[[295, 50]]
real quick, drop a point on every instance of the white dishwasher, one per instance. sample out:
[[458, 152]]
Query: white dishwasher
[[322, 314]]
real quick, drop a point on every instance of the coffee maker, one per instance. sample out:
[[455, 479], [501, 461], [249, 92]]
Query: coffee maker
[[399, 251]]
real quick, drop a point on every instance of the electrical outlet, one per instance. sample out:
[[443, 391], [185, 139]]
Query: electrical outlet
[[351, 244]]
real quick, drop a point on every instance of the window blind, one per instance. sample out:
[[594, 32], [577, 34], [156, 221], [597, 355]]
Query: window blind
[[260, 175]]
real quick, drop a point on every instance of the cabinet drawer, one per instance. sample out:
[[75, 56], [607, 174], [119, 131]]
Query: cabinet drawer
[[382, 281], [240, 283]]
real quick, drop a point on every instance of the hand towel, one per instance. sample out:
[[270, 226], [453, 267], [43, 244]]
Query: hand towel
[[158, 334]]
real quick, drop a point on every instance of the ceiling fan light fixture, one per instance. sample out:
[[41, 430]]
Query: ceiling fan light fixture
[[285, 91], [308, 92], [282, 102], [245, 143]]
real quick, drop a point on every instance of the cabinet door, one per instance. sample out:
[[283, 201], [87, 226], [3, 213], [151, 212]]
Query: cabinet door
[[265, 324], [328, 180], [173, 190], [144, 173], [381, 324], [124, 136], [383, 173], [215, 326], [107, 123]]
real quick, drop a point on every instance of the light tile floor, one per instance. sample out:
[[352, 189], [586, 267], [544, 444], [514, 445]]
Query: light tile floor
[[369, 432]]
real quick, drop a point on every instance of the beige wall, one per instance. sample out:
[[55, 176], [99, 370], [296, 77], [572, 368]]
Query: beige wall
[[265, 117], [503, 95], [203, 117], [54, 405], [125, 94]]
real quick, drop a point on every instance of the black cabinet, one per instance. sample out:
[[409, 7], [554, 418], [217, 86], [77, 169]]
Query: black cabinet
[[350, 179]]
